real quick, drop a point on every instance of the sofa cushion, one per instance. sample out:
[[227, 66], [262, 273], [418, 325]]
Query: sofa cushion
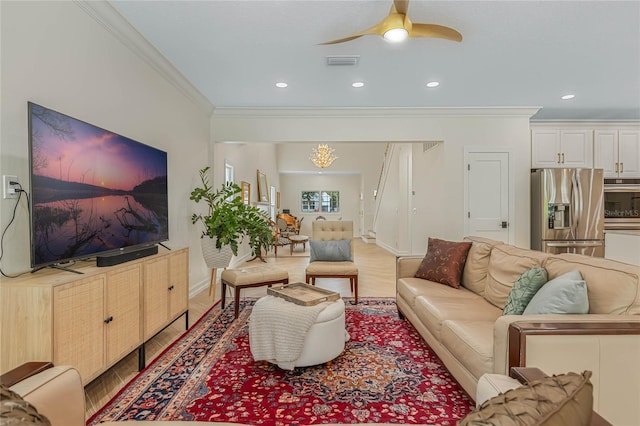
[[433, 311], [411, 288], [562, 400], [523, 290], [474, 276], [600, 275], [471, 343], [506, 264], [444, 262], [566, 294]]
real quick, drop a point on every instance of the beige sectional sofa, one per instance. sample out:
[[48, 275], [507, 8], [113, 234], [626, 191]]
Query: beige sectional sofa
[[466, 328]]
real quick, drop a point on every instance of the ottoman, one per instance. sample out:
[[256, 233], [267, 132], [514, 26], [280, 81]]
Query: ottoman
[[274, 333], [253, 276]]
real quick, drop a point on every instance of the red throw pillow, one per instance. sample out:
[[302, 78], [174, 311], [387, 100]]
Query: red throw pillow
[[444, 262]]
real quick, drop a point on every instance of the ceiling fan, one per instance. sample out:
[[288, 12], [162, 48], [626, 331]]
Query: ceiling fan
[[397, 26]]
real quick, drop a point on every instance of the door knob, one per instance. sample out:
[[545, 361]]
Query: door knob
[[504, 224]]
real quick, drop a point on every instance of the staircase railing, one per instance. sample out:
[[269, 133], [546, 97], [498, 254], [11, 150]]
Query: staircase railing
[[382, 179]]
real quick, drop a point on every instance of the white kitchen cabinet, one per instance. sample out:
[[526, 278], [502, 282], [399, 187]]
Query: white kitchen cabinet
[[553, 148], [617, 152]]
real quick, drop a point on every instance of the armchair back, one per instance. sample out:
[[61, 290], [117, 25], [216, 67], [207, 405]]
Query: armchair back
[[331, 230]]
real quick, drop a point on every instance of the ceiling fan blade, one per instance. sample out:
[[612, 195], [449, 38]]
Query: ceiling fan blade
[[400, 6], [375, 30], [342, 40], [436, 31]]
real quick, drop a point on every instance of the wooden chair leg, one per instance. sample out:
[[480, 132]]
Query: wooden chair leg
[[236, 302], [223, 292], [212, 283], [355, 286]]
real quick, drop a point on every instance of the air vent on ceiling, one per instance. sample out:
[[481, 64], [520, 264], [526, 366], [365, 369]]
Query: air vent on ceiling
[[343, 60]]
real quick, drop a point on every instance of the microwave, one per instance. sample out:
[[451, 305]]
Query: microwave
[[622, 203]]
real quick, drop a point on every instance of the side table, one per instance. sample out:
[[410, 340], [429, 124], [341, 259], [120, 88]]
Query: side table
[[298, 239]]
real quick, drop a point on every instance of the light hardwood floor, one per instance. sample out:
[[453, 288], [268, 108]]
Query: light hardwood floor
[[376, 278]]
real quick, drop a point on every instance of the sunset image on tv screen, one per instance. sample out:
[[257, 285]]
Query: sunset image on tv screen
[[92, 190]]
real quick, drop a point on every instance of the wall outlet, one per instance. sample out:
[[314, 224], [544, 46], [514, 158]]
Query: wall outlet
[[8, 190]]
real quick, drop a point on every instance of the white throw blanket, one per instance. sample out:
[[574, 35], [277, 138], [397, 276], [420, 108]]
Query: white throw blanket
[[277, 329]]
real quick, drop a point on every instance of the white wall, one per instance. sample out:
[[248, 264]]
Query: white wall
[[393, 225], [363, 159], [438, 181], [348, 185], [246, 159], [58, 55]]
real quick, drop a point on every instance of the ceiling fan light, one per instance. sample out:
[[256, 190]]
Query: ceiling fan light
[[396, 34]]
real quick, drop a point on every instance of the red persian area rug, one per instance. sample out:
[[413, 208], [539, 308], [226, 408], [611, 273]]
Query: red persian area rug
[[386, 374]]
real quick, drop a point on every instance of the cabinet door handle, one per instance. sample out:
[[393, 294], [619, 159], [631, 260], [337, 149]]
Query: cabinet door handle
[[170, 288], [617, 167], [108, 320], [621, 167], [558, 158], [563, 158]]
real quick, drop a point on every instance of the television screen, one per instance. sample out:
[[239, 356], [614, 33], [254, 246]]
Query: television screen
[[92, 190]]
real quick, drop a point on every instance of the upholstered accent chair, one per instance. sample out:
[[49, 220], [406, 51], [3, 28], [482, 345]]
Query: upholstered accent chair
[[332, 253], [280, 236]]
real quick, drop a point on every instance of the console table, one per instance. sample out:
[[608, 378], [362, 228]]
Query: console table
[[93, 320]]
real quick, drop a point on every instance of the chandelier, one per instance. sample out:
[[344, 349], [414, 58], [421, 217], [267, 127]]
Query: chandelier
[[322, 156]]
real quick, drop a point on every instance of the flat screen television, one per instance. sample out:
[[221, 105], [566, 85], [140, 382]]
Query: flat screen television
[[92, 191]]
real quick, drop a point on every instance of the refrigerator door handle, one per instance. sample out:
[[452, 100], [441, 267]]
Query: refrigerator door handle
[[575, 244]]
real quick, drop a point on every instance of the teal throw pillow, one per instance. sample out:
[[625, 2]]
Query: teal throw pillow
[[565, 294], [523, 290], [330, 251]]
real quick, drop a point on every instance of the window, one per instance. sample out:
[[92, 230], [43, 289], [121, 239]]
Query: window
[[228, 173], [320, 201]]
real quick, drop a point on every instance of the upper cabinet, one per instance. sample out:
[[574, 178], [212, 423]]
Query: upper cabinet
[[617, 151], [555, 147]]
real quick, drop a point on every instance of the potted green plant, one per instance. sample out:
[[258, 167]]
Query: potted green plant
[[228, 221]]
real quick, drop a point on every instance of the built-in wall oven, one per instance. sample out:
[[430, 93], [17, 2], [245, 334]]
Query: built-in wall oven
[[622, 203]]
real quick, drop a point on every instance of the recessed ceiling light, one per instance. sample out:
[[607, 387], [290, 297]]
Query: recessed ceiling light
[[433, 84], [357, 84], [281, 84], [566, 97]]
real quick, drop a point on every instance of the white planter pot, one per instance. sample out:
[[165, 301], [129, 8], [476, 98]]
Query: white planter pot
[[215, 258]]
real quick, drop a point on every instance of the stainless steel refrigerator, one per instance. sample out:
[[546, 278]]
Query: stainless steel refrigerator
[[567, 211]]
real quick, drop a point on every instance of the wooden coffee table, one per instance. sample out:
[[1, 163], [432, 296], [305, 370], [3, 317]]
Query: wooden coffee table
[[298, 239]]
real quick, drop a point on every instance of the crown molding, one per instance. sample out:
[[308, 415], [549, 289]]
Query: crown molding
[[110, 19], [582, 123], [376, 112]]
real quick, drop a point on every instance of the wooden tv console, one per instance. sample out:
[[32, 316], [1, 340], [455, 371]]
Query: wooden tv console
[[93, 320]]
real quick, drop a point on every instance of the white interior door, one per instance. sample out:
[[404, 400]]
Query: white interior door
[[488, 195]]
